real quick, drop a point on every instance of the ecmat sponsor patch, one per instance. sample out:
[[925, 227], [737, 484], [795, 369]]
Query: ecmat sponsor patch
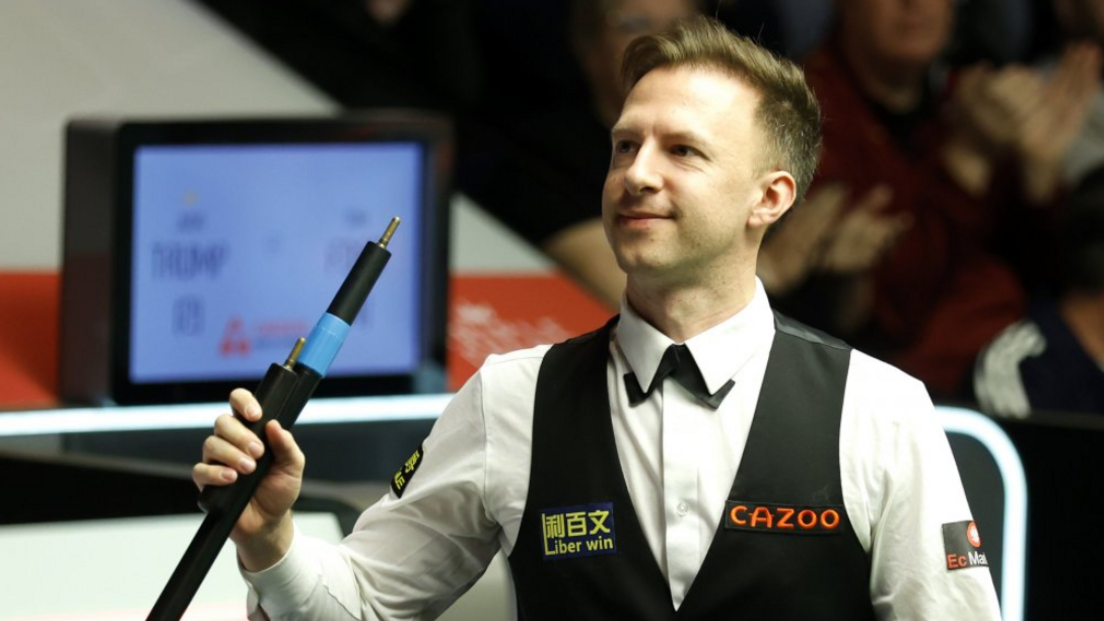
[[406, 472], [581, 530], [962, 544]]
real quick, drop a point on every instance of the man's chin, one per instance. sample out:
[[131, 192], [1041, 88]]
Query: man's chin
[[642, 265]]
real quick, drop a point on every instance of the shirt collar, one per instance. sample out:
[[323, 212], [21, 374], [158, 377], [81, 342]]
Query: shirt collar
[[720, 351]]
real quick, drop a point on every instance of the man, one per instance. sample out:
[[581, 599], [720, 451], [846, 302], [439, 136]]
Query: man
[[1053, 360], [781, 474]]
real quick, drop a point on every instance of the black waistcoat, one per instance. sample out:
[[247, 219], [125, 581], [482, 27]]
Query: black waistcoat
[[784, 549]]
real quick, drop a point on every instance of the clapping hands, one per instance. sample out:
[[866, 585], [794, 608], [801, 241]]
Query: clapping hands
[[1021, 113], [825, 235]]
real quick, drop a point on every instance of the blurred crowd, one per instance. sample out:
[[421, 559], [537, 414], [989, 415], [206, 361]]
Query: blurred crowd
[[956, 224]]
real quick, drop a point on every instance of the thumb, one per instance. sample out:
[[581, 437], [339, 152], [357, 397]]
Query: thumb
[[286, 454]]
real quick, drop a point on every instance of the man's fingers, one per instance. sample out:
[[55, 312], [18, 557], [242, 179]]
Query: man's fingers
[[1076, 77], [876, 199], [819, 209], [892, 227], [866, 234], [807, 226], [212, 474], [1079, 61], [828, 194], [1021, 92], [218, 450], [285, 450], [243, 402], [1082, 79], [233, 431], [831, 200]]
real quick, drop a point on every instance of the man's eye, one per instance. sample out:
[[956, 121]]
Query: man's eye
[[682, 150], [623, 146]]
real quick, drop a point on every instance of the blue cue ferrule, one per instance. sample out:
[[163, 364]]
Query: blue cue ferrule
[[324, 342]]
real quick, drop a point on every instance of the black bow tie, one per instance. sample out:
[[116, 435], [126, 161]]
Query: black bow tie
[[679, 364]]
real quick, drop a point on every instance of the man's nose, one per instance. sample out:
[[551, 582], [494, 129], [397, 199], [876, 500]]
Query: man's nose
[[643, 176]]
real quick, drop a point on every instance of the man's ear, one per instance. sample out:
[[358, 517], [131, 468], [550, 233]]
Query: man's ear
[[779, 191]]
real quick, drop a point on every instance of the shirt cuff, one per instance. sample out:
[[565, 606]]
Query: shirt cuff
[[283, 587]]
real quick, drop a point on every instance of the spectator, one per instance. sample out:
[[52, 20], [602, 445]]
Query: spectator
[[1054, 358], [914, 276]]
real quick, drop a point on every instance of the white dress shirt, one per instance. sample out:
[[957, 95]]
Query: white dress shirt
[[410, 557]]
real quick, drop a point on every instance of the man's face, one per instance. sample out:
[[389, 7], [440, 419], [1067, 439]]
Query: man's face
[[684, 174], [898, 32]]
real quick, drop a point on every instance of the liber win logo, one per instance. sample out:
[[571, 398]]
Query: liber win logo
[[962, 545], [582, 530]]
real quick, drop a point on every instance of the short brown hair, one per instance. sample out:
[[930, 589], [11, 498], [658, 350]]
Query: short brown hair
[[788, 111]]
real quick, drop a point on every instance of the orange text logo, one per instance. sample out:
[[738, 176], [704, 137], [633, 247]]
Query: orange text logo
[[782, 519]]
